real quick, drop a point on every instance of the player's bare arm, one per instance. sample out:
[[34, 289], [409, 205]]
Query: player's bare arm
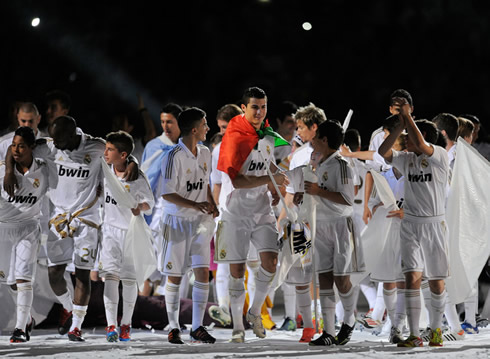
[[131, 173], [141, 207], [212, 202], [204, 207], [9, 181], [315, 190], [385, 150]]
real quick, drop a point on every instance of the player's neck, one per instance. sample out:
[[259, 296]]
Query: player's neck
[[24, 166], [191, 143], [120, 168], [327, 153]]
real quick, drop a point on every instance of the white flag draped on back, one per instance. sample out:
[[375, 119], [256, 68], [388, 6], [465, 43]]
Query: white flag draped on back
[[379, 234], [468, 219], [138, 244]]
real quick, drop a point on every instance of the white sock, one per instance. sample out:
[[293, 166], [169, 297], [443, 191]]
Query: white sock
[[379, 306], [470, 308], [79, 312], [222, 280], [237, 301], [252, 272], [369, 291], [437, 303], [389, 296], [172, 303], [24, 303], [263, 281], [401, 311], [111, 299], [303, 298], [289, 292], [184, 286], [427, 299], [200, 293], [339, 311], [129, 296], [66, 301], [412, 297], [349, 304], [327, 300]]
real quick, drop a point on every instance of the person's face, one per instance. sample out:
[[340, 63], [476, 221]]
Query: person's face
[[475, 133], [112, 155], [255, 111], [222, 124], [319, 144], [28, 119], [306, 133], [201, 130], [21, 151], [287, 126], [55, 110], [170, 126], [62, 140]]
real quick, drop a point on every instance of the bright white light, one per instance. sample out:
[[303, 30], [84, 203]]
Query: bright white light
[[35, 22], [307, 26]]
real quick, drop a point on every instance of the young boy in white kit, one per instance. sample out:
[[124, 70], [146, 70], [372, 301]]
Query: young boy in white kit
[[112, 264]]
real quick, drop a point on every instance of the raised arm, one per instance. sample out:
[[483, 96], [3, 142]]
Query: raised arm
[[385, 150]]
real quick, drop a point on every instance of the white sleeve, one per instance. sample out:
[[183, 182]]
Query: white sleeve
[[170, 173]]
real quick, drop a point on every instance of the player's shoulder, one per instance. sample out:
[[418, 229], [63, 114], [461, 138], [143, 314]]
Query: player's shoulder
[[204, 150], [94, 141]]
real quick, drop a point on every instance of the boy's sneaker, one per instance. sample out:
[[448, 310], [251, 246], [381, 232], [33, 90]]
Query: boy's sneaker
[[75, 336], [395, 335], [425, 334], [453, 335], [174, 336], [289, 325], [256, 322], [324, 340], [344, 335], [220, 314], [125, 333], [469, 329], [18, 336], [370, 323], [29, 328], [111, 334], [64, 323], [411, 342], [201, 335], [436, 338], [237, 336], [307, 336]]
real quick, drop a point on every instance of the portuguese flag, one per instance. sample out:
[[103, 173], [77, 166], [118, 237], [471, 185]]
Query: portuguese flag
[[239, 140]]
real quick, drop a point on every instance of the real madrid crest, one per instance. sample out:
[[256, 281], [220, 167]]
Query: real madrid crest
[[101, 266], [325, 177], [127, 187], [2, 274], [36, 183], [268, 149], [87, 159], [222, 254], [188, 171], [205, 167], [424, 163], [169, 265]]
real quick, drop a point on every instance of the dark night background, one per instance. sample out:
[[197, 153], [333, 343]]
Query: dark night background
[[205, 53]]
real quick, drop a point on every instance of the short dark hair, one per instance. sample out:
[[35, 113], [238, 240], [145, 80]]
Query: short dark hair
[[429, 129], [448, 123], [352, 139], [391, 122], [286, 108], [189, 118], [472, 118], [27, 134], [122, 140], [401, 93], [228, 111], [172, 108], [252, 92], [333, 132], [28, 107], [441, 140], [61, 96], [466, 127]]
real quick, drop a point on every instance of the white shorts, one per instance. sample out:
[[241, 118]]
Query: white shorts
[[301, 273], [183, 247], [388, 267], [19, 248], [81, 249], [337, 247], [233, 239], [424, 246], [111, 256]]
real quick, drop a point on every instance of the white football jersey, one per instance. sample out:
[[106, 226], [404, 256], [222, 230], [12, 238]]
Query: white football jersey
[[301, 157], [6, 141], [119, 216], [250, 202], [215, 173], [397, 185], [27, 197], [426, 178], [79, 173], [335, 175], [186, 175]]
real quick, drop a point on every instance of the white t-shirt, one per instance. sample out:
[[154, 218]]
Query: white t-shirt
[[186, 175], [27, 197], [250, 202], [79, 173], [215, 173], [378, 163], [426, 179], [119, 216], [301, 157]]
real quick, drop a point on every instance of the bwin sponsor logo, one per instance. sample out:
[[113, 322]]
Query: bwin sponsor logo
[[427, 177], [23, 199], [109, 199], [73, 172], [195, 186], [254, 166]]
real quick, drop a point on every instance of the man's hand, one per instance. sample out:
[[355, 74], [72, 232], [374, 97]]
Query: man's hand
[[298, 198], [312, 188], [204, 207], [367, 215], [345, 151], [281, 179], [131, 172], [10, 183], [404, 109], [136, 211], [396, 213], [275, 198]]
